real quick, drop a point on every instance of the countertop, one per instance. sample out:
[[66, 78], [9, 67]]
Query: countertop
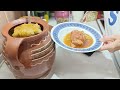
[[69, 65]]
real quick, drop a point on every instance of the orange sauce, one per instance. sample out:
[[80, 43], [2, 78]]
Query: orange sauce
[[87, 43]]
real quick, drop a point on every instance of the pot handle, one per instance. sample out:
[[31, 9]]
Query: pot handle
[[11, 49]]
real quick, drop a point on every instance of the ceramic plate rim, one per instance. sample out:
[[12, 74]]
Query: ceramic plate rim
[[52, 30]]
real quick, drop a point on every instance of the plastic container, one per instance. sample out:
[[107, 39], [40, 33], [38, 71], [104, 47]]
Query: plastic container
[[62, 16]]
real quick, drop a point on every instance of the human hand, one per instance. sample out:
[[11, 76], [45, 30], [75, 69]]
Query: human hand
[[111, 43]]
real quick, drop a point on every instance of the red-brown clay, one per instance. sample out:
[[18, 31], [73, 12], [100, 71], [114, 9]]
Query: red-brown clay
[[18, 51]]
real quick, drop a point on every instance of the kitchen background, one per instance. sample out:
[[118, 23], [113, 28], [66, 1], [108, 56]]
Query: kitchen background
[[86, 16], [49, 16], [7, 16]]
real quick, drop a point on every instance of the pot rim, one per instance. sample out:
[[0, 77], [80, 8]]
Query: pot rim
[[8, 26]]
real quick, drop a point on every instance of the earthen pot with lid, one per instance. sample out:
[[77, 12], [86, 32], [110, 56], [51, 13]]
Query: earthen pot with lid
[[19, 52]]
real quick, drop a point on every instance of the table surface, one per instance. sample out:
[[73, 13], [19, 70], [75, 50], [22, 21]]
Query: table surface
[[69, 65]]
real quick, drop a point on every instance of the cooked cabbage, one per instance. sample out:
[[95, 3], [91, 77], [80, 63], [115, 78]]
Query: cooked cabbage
[[26, 30]]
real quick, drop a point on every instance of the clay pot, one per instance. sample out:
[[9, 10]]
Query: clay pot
[[29, 57]]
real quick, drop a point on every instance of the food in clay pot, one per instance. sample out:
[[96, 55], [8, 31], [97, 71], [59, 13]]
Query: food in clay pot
[[28, 49]]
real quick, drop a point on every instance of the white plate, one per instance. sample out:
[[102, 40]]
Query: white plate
[[59, 31]]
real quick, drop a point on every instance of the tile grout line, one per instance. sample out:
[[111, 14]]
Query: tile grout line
[[2, 62]]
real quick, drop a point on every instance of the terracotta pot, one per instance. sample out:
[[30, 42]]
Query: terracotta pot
[[18, 51]]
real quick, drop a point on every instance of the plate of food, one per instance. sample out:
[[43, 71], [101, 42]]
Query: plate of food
[[76, 37]]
